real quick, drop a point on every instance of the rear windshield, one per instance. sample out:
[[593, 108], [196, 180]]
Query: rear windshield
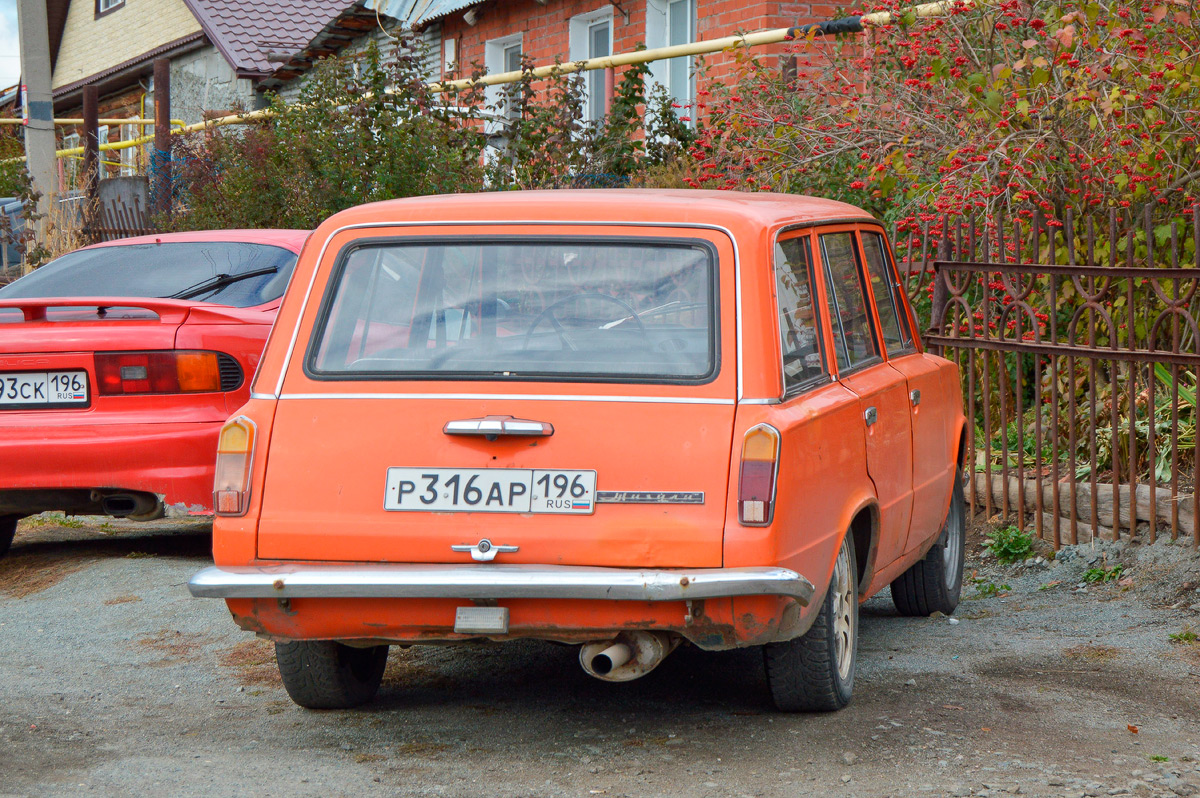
[[558, 309], [222, 272]]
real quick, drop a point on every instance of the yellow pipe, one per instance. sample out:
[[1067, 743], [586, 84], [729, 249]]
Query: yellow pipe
[[74, 120], [693, 48], [604, 62]]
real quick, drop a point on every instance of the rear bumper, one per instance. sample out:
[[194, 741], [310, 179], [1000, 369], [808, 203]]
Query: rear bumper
[[173, 460], [295, 581]]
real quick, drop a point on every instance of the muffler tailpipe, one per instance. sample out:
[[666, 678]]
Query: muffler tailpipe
[[135, 506], [629, 656]]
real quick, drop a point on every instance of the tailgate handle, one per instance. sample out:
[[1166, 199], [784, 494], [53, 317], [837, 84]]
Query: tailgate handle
[[871, 416], [492, 427]]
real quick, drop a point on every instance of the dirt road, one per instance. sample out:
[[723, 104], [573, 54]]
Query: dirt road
[[114, 681]]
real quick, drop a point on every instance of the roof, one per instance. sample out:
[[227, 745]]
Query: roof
[[288, 239], [338, 33], [253, 34], [418, 12], [744, 210]]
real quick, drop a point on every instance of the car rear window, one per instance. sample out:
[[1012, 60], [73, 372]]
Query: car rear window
[[536, 309], [223, 272]]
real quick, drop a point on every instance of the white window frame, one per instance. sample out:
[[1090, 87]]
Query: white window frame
[[658, 35], [129, 155], [72, 163], [104, 6], [493, 61], [579, 48], [102, 138]]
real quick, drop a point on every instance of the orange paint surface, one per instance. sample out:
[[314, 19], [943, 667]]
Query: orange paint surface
[[326, 443]]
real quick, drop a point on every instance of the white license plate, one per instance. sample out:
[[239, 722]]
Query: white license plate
[[43, 388], [490, 490]]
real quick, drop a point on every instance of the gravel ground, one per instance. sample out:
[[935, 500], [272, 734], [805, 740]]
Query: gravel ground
[[114, 681]]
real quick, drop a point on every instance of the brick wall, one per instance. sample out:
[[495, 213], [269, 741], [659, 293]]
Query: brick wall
[[545, 29]]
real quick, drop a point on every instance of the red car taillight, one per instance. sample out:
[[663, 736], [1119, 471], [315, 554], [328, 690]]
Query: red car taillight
[[119, 373], [235, 456], [756, 485]]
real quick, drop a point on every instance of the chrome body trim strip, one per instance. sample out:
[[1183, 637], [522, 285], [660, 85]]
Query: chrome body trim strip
[[737, 267], [531, 397], [471, 581]]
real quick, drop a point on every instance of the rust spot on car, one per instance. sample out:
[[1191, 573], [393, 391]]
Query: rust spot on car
[[684, 582], [277, 584]]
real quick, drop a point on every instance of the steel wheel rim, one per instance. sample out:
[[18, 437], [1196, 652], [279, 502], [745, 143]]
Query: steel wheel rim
[[842, 590], [952, 549]]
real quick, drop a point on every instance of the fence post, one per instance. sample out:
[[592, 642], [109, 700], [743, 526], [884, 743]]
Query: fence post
[[941, 291], [162, 135], [91, 162]]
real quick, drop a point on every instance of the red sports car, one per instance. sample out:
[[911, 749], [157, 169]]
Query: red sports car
[[119, 363]]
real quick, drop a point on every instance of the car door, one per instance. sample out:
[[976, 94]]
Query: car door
[[928, 390], [881, 390]]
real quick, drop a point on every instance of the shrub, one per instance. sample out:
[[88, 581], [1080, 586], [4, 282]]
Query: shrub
[[1009, 545]]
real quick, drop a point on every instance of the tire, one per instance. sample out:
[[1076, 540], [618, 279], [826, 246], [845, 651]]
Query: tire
[[8, 528], [815, 672], [324, 674], [934, 583]]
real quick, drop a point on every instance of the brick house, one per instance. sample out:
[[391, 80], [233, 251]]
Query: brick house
[[220, 50], [497, 33]]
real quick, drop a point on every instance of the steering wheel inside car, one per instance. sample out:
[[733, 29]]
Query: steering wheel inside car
[[548, 315]]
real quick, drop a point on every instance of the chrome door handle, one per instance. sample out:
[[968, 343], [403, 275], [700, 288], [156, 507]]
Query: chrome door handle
[[492, 427], [871, 416], [915, 396]]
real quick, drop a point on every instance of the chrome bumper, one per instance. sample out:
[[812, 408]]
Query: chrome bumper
[[496, 582]]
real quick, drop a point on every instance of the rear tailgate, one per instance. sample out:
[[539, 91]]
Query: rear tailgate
[[658, 454]]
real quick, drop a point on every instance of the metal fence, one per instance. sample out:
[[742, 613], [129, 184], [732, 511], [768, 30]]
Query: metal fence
[[1078, 345]]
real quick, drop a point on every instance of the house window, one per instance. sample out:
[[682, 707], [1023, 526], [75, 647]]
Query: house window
[[105, 155], [129, 156], [105, 6], [71, 163], [591, 37], [502, 55], [669, 23]]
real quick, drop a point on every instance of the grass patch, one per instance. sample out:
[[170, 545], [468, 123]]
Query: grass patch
[[985, 589], [1102, 574], [1186, 636], [1009, 545]]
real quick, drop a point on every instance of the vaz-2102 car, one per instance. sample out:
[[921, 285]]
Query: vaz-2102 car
[[620, 419]]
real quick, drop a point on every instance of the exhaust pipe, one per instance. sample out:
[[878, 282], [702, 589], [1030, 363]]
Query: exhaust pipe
[[629, 656], [135, 506]]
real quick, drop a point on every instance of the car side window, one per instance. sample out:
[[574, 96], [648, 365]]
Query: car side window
[[892, 320], [853, 333], [803, 363]]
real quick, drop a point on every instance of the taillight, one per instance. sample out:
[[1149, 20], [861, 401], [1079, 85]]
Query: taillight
[[120, 373], [235, 454], [756, 485]]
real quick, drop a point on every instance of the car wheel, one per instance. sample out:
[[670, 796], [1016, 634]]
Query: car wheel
[[324, 674], [8, 528], [934, 583], [815, 672]]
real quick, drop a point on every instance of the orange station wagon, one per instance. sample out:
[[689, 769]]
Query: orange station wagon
[[620, 419]]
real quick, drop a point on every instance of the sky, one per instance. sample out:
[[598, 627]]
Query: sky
[[10, 63]]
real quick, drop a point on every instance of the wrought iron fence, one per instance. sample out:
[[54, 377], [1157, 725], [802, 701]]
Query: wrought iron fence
[[1078, 345]]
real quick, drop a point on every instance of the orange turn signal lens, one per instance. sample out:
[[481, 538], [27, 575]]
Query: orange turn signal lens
[[235, 456], [197, 372]]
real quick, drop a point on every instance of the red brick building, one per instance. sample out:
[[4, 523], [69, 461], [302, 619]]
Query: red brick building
[[497, 33]]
